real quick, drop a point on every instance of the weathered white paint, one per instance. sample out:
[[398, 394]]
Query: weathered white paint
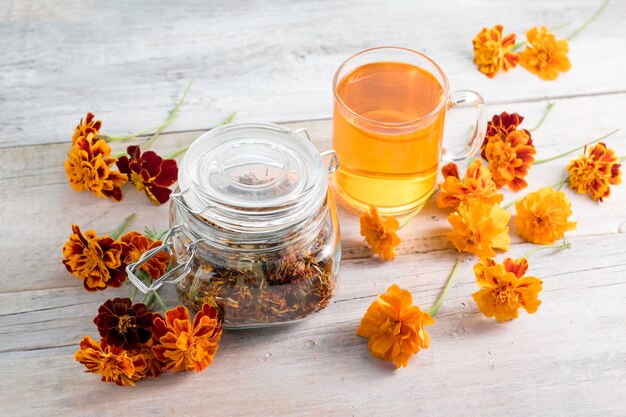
[[269, 60], [273, 61]]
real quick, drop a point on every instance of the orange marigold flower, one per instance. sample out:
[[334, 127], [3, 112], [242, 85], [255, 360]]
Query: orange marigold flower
[[136, 245], [480, 228], [510, 159], [499, 127], [153, 366], [595, 171], [544, 55], [86, 126], [89, 168], [476, 186], [542, 216], [183, 345], [380, 233], [96, 260], [395, 327], [504, 288], [493, 53], [113, 363]]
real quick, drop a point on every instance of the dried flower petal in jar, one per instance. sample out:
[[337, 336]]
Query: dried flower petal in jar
[[254, 228]]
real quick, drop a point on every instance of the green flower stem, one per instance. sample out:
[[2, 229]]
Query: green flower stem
[[133, 294], [564, 245], [229, 119], [552, 158], [110, 139], [435, 308], [178, 152], [591, 19], [558, 187], [518, 45], [119, 155], [549, 108], [118, 232], [160, 301], [173, 115], [417, 211], [509, 204], [561, 26], [144, 298]]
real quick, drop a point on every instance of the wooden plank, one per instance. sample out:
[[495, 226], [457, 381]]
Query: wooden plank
[[43, 206], [41, 319], [571, 349], [269, 61]]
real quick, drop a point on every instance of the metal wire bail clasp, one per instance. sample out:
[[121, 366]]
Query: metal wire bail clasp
[[173, 275], [333, 164]]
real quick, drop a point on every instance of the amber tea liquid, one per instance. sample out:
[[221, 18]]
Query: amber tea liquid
[[388, 157]]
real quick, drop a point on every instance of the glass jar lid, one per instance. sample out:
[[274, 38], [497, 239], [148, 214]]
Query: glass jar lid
[[251, 177]]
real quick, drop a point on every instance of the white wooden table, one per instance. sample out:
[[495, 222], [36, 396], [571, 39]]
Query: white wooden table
[[274, 61]]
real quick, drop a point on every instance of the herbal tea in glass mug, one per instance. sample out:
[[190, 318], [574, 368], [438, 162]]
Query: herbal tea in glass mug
[[388, 128]]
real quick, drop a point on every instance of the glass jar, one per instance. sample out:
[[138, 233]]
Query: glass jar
[[253, 227]]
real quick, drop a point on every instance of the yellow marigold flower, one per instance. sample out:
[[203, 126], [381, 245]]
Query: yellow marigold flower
[[380, 234], [476, 186], [96, 260], [480, 228], [395, 327], [89, 168], [510, 159], [493, 53], [87, 126], [113, 363], [595, 171], [183, 345], [505, 289], [544, 55], [542, 216]]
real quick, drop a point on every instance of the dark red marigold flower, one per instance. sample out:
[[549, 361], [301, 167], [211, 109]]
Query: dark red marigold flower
[[124, 324], [150, 173]]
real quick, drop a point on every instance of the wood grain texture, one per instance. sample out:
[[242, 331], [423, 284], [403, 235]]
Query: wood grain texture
[[566, 359], [571, 350], [273, 61]]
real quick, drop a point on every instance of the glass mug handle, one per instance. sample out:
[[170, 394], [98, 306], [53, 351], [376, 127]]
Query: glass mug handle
[[467, 98]]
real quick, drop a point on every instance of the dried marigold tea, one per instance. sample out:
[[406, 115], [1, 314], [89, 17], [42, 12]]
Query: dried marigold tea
[[254, 229]]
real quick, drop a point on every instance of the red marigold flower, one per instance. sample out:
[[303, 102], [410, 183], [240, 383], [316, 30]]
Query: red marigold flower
[[150, 173], [136, 245], [124, 324]]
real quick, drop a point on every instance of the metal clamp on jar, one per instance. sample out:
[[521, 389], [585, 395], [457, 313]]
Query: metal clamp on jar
[[253, 228]]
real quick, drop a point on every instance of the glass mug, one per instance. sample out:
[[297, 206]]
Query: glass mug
[[390, 106]]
